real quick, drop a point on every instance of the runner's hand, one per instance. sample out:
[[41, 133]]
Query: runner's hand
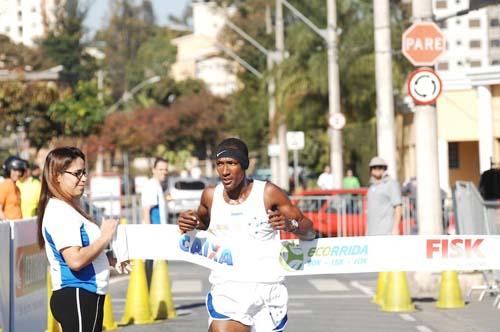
[[188, 220], [123, 267], [277, 220]]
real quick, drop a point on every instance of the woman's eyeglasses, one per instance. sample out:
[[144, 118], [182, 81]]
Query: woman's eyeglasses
[[78, 174]]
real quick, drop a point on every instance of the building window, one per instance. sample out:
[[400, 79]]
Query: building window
[[443, 24], [20, 31], [495, 62], [442, 66], [457, 2], [475, 63], [494, 22], [453, 156], [441, 4], [20, 15], [459, 63], [474, 23], [495, 43], [459, 42], [475, 43], [457, 21]]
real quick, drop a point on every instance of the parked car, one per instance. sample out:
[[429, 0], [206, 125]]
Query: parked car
[[183, 193], [334, 212], [340, 212]]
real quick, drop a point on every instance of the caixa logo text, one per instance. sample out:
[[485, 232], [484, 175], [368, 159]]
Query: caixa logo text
[[454, 248]]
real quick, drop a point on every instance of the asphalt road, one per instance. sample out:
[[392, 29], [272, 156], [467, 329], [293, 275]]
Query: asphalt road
[[317, 303]]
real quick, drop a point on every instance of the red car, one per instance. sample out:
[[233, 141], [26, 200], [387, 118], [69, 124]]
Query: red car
[[334, 212], [340, 212]]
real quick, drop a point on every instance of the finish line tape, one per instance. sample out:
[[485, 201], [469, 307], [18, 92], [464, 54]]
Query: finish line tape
[[320, 256]]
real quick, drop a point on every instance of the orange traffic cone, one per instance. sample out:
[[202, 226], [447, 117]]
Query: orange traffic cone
[[108, 322], [396, 295], [160, 295], [137, 309], [450, 294]]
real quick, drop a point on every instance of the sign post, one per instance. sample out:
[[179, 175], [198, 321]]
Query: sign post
[[422, 44], [295, 141]]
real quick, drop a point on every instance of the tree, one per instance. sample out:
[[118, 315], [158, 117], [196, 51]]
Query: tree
[[302, 87], [140, 131], [129, 27], [64, 46], [79, 111]]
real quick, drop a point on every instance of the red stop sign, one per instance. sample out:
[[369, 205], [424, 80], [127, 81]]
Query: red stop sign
[[423, 43]]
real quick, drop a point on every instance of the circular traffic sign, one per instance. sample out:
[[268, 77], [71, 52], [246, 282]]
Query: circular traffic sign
[[337, 121], [424, 86]]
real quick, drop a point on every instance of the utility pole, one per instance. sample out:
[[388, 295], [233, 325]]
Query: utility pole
[[329, 35], [280, 47], [271, 91], [386, 136], [428, 191], [336, 163]]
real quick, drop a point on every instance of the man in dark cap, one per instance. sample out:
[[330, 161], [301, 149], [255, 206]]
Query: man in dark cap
[[250, 212], [384, 201], [10, 196]]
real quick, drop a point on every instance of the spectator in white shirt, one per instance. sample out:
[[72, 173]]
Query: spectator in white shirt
[[325, 179]]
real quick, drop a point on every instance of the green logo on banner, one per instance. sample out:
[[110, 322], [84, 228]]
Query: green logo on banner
[[291, 257]]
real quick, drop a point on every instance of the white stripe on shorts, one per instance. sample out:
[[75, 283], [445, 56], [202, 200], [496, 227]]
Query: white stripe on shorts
[[96, 312], [78, 309]]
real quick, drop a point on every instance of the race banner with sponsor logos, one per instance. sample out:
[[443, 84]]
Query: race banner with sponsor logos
[[4, 275], [29, 283], [320, 256]]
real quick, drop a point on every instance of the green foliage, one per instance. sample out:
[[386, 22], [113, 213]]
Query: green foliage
[[79, 111], [63, 44], [130, 26], [14, 55], [302, 85], [25, 106]]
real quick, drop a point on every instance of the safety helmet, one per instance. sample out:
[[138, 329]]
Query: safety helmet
[[377, 161], [14, 162]]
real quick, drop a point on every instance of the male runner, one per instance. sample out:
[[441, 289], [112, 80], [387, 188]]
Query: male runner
[[251, 212]]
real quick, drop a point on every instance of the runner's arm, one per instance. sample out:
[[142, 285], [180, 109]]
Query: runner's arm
[[200, 219], [282, 213]]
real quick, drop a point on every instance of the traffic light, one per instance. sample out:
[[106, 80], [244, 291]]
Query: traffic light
[[476, 4]]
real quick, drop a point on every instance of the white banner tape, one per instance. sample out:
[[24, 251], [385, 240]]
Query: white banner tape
[[320, 256]]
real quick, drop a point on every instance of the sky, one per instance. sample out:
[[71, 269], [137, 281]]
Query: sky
[[99, 12]]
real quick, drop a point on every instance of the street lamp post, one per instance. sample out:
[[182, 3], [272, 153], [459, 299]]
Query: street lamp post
[[127, 95]]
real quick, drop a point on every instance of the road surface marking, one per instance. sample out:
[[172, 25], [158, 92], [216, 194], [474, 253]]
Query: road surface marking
[[366, 290], [328, 285], [408, 318], [423, 328], [186, 286]]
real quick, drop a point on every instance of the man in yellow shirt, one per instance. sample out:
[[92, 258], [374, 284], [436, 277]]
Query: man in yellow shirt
[[30, 193]]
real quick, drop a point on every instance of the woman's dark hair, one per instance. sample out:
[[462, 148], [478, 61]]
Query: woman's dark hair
[[57, 161]]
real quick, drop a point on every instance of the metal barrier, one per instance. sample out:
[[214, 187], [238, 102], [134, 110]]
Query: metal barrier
[[345, 215], [475, 216]]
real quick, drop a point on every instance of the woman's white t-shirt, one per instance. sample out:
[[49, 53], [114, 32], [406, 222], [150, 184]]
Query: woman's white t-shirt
[[63, 227]]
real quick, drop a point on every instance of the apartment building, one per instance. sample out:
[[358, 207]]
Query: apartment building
[[23, 21], [199, 53]]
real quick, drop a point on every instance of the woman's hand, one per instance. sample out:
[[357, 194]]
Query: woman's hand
[[123, 267], [108, 228]]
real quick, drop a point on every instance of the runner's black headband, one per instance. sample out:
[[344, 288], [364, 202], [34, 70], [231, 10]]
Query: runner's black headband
[[225, 152]]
